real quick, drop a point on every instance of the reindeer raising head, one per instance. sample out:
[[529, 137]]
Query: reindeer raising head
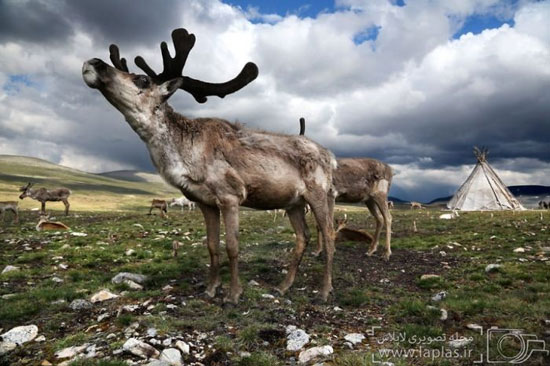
[[25, 190], [133, 93]]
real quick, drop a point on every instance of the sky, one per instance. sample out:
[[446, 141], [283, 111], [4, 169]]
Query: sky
[[413, 83]]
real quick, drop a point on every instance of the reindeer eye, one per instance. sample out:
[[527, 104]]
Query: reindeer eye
[[141, 81]]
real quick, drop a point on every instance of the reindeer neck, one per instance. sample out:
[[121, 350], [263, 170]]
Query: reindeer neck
[[170, 140]]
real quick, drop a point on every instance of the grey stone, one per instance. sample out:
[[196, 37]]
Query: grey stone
[[140, 348], [312, 353], [296, 338], [134, 277], [5, 347], [70, 352], [103, 295], [20, 335], [80, 304], [10, 268], [354, 338], [183, 347], [439, 296], [172, 356]]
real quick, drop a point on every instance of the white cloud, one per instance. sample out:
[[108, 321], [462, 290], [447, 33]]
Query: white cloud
[[413, 97]]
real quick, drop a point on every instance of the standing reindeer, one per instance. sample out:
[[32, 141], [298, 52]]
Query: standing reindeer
[[416, 205], [182, 202], [217, 164], [9, 206], [364, 180], [368, 181], [161, 205], [44, 195]]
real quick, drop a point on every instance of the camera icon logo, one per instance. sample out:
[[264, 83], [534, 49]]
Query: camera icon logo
[[511, 346]]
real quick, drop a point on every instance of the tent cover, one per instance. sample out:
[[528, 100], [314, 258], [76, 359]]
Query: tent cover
[[483, 190]]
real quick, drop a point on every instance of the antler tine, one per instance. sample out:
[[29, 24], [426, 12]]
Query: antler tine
[[200, 89], [114, 55], [173, 66]]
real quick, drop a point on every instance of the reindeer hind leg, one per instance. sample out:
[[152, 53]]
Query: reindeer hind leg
[[67, 205], [380, 201], [297, 220], [371, 205], [230, 211], [322, 210]]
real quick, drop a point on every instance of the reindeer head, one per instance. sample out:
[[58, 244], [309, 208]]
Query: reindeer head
[[25, 190], [141, 93]]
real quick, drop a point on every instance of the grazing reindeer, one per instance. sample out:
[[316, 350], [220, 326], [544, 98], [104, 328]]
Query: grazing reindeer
[[363, 180], [416, 205], [217, 164], [161, 205], [543, 205], [44, 195], [182, 202], [9, 206]]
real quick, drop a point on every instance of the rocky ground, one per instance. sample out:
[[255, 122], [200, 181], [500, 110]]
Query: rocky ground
[[110, 292]]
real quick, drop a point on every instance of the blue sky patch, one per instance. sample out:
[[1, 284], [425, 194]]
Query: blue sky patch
[[287, 7], [16, 81], [398, 2], [477, 23], [368, 34]]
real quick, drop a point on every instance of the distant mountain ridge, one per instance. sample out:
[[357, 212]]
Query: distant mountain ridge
[[133, 176]]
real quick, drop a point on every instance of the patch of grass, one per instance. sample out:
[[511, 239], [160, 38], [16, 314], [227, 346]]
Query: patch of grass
[[90, 362], [76, 339], [125, 320], [259, 359], [354, 298], [224, 343]]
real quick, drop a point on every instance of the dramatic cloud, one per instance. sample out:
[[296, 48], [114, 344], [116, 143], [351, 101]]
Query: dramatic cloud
[[406, 84]]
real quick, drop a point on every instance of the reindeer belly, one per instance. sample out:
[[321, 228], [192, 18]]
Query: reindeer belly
[[274, 191]]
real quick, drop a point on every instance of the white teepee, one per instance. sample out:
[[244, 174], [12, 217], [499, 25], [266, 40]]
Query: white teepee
[[483, 190]]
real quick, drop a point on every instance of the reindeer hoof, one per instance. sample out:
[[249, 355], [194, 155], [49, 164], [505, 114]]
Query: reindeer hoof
[[210, 293], [278, 291]]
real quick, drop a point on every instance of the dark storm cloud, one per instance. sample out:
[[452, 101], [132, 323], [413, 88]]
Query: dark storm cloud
[[413, 97], [127, 21], [33, 21]]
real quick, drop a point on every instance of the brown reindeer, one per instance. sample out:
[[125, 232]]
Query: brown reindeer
[[368, 181], [343, 233], [364, 180], [161, 205], [44, 224], [9, 206], [217, 164], [44, 195]]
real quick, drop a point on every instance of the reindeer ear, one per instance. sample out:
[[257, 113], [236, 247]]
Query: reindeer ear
[[169, 87]]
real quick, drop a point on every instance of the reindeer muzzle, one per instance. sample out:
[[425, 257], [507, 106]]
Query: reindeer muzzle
[[93, 71]]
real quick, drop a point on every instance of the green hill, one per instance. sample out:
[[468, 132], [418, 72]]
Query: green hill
[[93, 192]]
